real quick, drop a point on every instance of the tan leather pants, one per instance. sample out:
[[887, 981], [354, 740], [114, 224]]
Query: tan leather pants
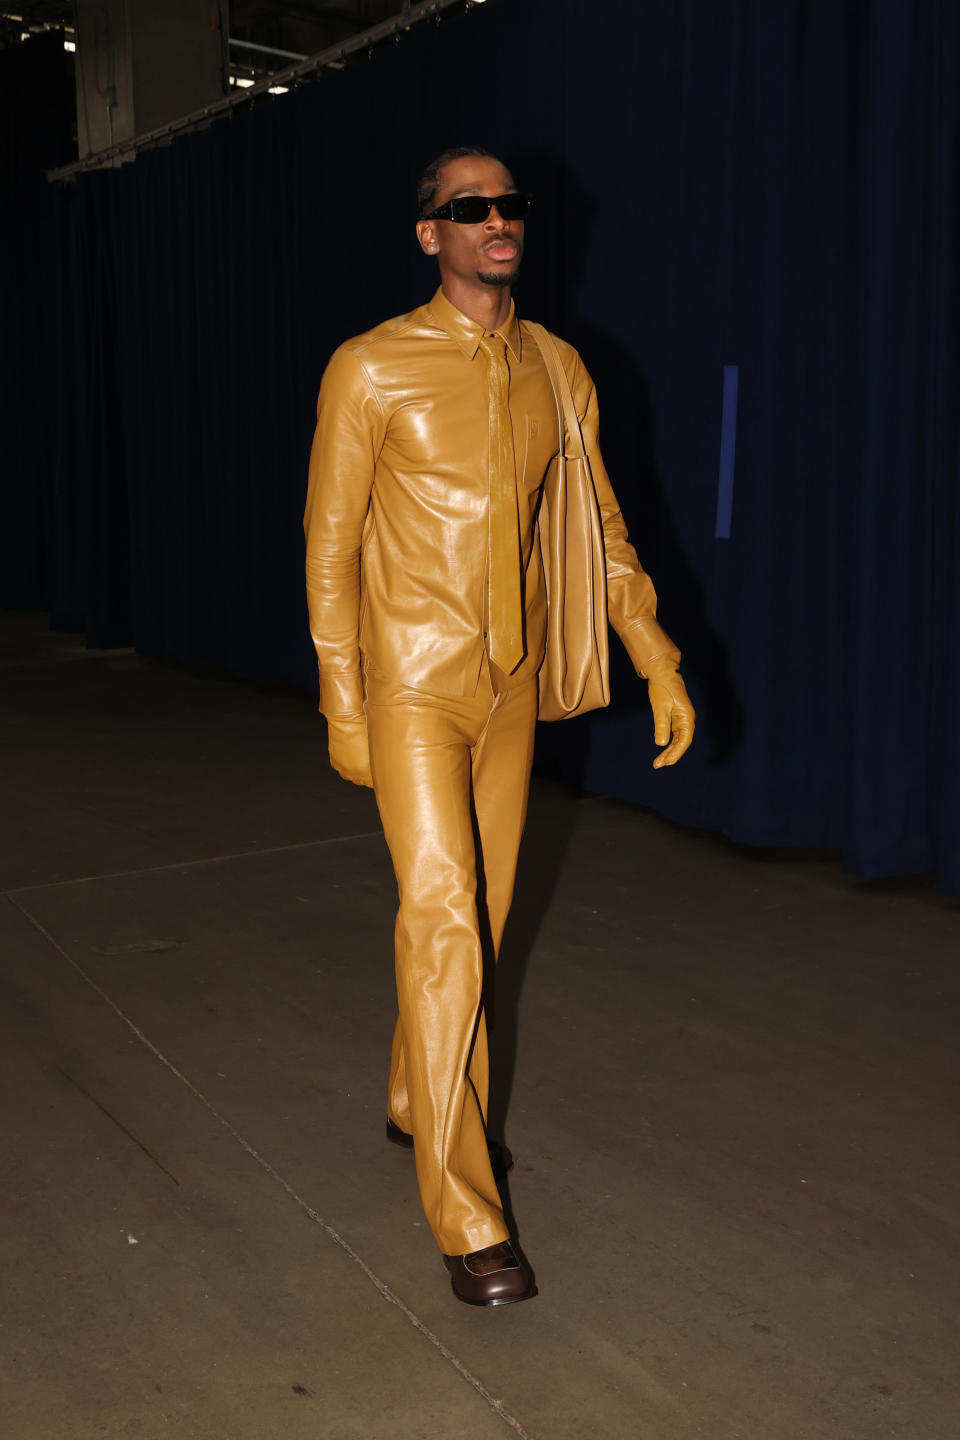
[[451, 778]]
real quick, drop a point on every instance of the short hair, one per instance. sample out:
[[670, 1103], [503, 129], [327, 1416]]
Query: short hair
[[429, 181]]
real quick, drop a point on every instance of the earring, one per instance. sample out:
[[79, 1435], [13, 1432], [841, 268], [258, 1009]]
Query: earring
[[432, 248]]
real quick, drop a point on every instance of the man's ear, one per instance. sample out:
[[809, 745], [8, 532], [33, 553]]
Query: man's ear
[[427, 235]]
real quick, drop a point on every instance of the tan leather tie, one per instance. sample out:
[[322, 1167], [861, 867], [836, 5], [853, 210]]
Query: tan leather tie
[[506, 613]]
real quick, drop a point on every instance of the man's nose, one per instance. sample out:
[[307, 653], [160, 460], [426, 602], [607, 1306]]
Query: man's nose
[[496, 220]]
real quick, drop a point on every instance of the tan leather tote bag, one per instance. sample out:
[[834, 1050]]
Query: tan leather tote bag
[[575, 675]]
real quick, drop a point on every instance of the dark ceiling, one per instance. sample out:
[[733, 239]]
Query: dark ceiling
[[301, 28], [33, 15]]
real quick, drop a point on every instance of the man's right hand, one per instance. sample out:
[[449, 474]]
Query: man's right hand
[[349, 750]]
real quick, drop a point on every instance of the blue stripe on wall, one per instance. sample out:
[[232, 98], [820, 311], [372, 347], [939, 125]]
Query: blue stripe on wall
[[728, 451]]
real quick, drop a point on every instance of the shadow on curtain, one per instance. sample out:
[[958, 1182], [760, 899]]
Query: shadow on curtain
[[718, 184]]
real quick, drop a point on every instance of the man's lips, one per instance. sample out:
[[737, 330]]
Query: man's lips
[[502, 250]]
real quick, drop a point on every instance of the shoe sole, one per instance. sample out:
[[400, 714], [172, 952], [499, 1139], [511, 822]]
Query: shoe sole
[[489, 1304]]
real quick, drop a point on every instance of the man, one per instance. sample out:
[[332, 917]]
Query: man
[[425, 583]]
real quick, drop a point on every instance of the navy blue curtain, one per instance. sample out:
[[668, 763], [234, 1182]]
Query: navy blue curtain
[[724, 184]]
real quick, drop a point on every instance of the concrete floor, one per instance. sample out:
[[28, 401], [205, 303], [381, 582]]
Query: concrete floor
[[729, 1081]]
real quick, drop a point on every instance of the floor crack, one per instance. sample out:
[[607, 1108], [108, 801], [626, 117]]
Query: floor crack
[[119, 1124], [189, 864]]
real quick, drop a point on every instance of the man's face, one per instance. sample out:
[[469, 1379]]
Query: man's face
[[488, 253]]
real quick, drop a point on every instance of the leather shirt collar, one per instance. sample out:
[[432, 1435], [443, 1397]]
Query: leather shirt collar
[[467, 333]]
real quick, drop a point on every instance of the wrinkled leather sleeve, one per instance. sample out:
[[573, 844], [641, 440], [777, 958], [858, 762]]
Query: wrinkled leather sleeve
[[347, 441], [631, 597]]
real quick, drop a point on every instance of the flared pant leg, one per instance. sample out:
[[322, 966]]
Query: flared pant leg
[[447, 773]]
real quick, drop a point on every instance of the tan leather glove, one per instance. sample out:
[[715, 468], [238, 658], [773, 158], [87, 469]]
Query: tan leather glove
[[349, 750], [672, 711]]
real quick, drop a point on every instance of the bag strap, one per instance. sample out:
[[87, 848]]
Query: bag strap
[[573, 448]]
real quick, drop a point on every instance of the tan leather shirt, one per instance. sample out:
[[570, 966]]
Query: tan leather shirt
[[396, 514]]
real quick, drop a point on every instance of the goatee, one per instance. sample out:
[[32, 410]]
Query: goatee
[[499, 277]]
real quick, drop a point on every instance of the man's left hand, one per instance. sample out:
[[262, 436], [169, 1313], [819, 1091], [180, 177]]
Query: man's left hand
[[673, 713], [349, 748]]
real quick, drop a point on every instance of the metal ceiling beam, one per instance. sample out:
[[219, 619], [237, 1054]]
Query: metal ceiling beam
[[395, 25], [266, 49]]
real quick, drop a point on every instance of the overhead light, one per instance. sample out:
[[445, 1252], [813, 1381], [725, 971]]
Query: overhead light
[[70, 45], [278, 89], [242, 82]]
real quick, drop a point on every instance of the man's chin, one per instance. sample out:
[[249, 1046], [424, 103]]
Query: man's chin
[[499, 277]]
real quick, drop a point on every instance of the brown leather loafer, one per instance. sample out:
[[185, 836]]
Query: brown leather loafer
[[492, 1276], [501, 1160], [398, 1136]]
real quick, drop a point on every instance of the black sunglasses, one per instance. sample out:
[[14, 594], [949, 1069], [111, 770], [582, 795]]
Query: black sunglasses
[[474, 209]]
